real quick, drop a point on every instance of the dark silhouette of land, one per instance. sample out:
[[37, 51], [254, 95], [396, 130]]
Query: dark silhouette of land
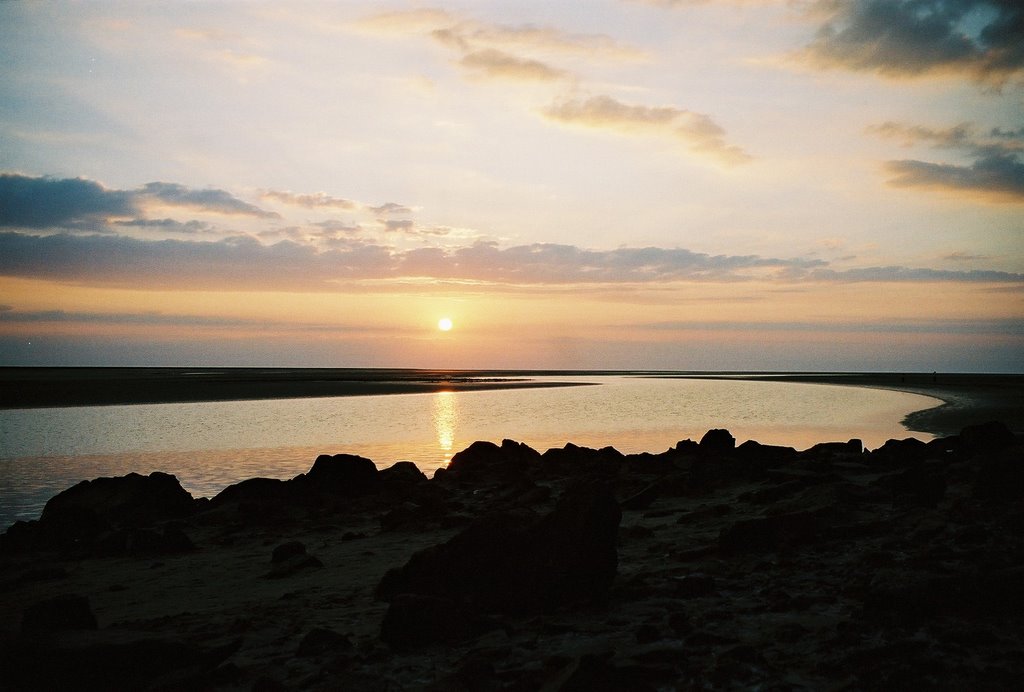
[[706, 566]]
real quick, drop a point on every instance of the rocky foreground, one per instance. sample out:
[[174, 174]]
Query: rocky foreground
[[706, 566]]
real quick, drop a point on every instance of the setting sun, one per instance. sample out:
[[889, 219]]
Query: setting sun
[[444, 324]]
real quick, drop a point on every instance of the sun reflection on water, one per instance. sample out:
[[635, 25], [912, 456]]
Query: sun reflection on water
[[446, 415]]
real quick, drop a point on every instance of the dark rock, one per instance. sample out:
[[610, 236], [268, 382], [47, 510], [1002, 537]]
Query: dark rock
[[772, 532], [694, 586], [642, 499], [286, 551], [260, 491], [402, 473], [486, 461], [345, 474], [717, 441], [294, 564], [920, 485], [853, 447], [416, 620], [128, 501], [573, 461], [320, 641], [39, 574], [66, 612], [764, 455], [514, 562], [109, 661], [987, 437], [901, 452], [1000, 475]]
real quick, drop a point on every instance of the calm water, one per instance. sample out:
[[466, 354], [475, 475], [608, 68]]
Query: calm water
[[213, 444]]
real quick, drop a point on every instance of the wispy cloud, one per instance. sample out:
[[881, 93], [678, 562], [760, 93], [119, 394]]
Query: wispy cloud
[[208, 200], [699, 132], [494, 63], [316, 200], [982, 39], [995, 171]]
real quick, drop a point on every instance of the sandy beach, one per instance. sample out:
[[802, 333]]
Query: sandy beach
[[710, 565]]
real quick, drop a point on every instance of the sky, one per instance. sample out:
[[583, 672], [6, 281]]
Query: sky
[[825, 185]]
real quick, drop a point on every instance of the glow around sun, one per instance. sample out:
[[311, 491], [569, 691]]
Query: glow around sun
[[444, 324]]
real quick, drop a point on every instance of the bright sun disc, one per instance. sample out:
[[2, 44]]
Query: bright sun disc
[[444, 324]]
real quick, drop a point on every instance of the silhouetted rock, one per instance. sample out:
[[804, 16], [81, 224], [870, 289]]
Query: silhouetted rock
[[853, 447], [717, 441], [581, 462], [345, 474], [402, 473], [65, 612], [515, 562], [129, 501], [486, 461], [922, 485]]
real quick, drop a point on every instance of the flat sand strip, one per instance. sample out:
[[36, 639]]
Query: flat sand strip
[[52, 387]]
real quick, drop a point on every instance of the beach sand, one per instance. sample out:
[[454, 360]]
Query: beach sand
[[730, 568]]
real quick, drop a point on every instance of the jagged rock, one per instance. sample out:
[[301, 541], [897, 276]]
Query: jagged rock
[[487, 461], [65, 612], [514, 562], [581, 462]]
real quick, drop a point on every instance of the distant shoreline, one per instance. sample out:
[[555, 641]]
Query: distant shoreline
[[968, 399], [83, 386]]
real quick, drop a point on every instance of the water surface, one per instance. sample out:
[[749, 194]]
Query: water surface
[[209, 445]]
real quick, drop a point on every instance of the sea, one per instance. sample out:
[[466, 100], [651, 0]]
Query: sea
[[210, 445]]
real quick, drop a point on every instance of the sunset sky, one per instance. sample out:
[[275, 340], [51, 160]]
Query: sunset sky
[[673, 184]]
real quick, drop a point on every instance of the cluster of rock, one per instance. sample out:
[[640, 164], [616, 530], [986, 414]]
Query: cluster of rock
[[710, 564]]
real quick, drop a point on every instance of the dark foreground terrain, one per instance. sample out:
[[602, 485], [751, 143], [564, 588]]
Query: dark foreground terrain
[[709, 566]]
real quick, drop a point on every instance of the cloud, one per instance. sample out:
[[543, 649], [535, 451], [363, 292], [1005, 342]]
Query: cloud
[[80, 204], [317, 200], [27, 202], [698, 131], [494, 63], [995, 176], [210, 200], [389, 208], [995, 172], [165, 225], [499, 51], [243, 263], [983, 39]]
